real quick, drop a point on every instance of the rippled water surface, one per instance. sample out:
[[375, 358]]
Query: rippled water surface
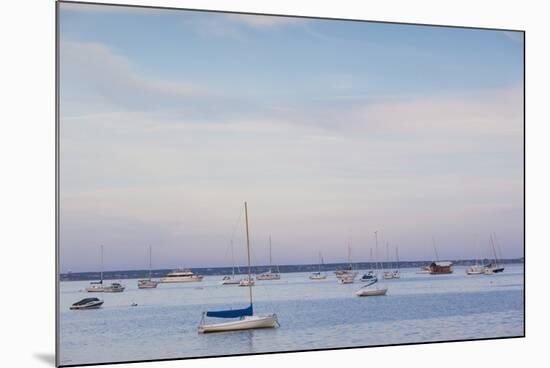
[[312, 314]]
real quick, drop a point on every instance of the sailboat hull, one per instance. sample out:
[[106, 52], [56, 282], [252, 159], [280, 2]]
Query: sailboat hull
[[96, 289], [147, 284], [231, 282], [372, 292], [246, 323], [268, 276]]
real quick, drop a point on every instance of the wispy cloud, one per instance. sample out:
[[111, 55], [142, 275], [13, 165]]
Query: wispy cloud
[[99, 70], [264, 21]]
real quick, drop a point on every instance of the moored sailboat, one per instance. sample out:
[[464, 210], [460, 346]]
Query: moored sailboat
[[347, 275], [370, 275], [493, 267], [246, 318], [396, 273], [388, 274], [148, 283], [231, 280], [269, 275], [100, 287], [369, 289], [318, 275]]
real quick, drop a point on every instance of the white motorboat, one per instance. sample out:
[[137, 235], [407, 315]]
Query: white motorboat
[[269, 275], [87, 303], [246, 318], [181, 276], [369, 276], [115, 287], [148, 283]]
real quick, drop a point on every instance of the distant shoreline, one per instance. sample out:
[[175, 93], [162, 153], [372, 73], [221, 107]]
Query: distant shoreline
[[213, 271]]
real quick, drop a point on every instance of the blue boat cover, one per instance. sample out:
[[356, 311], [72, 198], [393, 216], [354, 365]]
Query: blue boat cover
[[232, 313]]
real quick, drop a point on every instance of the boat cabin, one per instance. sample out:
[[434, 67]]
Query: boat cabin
[[437, 268]]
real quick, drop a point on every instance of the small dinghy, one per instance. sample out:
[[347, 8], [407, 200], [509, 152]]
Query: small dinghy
[[87, 303], [246, 318]]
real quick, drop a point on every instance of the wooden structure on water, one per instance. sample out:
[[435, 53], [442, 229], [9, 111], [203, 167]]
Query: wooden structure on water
[[439, 268]]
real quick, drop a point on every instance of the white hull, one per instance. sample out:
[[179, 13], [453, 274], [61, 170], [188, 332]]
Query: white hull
[[147, 284], [346, 280], [96, 289], [168, 280], [371, 292], [268, 276], [247, 323], [246, 283], [318, 277], [114, 290], [231, 282], [101, 288]]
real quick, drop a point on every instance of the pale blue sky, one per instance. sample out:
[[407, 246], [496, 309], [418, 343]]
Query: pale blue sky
[[330, 129]]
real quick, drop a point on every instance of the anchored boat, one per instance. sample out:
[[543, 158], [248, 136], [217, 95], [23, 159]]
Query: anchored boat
[[369, 289], [231, 280], [87, 303], [100, 287], [181, 276], [318, 275], [148, 283], [246, 318]]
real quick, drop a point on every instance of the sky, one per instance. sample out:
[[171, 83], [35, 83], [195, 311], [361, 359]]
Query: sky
[[330, 130]]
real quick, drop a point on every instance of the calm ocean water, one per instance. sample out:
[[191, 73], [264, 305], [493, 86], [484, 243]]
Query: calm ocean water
[[312, 314]]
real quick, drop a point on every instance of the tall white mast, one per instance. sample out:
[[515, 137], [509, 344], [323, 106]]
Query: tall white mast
[[101, 260], [150, 263], [248, 253], [494, 250], [376, 249], [435, 250], [270, 258], [397, 256], [232, 259], [388, 255]]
